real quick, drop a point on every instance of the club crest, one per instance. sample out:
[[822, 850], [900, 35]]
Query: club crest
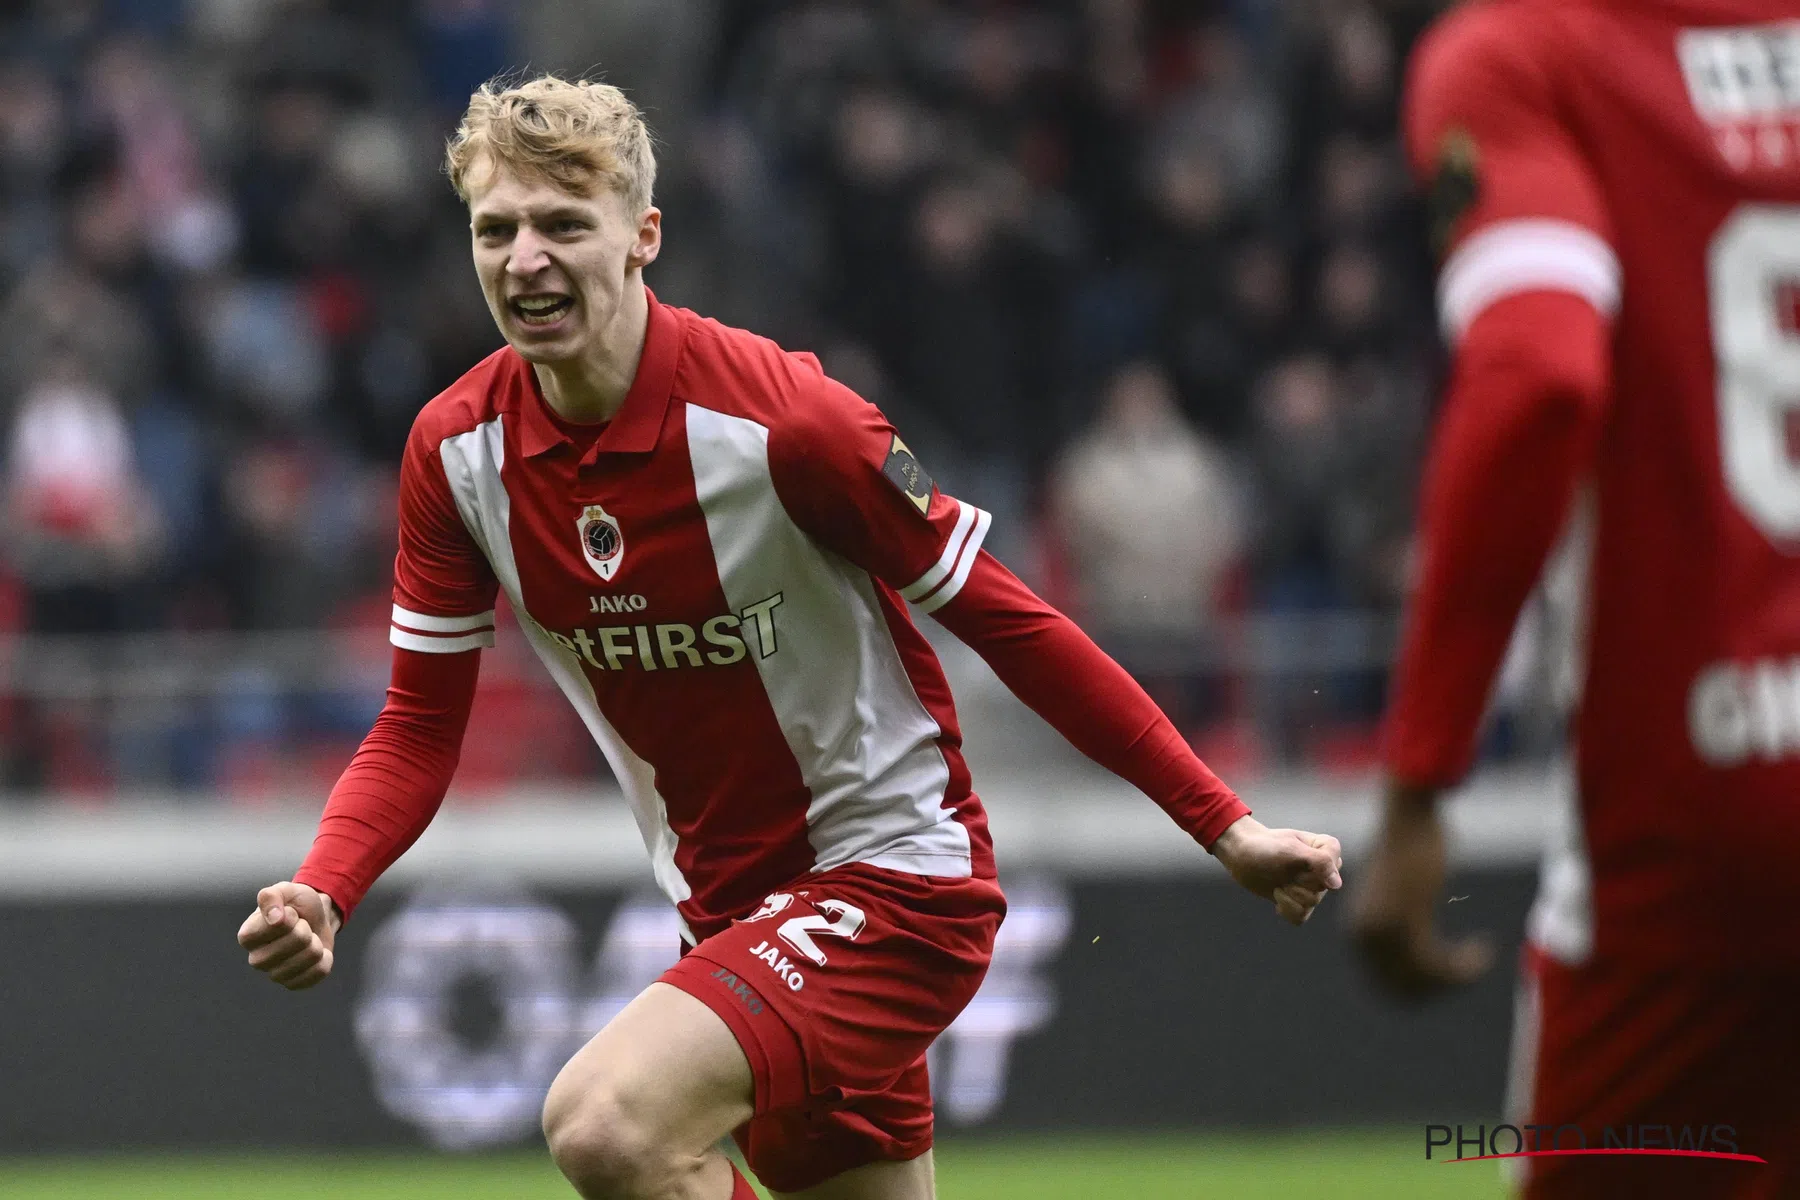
[[602, 543]]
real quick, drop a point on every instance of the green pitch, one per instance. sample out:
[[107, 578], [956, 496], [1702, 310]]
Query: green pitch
[[1373, 1165]]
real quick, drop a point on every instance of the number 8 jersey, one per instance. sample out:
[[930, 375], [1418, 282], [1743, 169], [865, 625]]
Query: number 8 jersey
[[1615, 189]]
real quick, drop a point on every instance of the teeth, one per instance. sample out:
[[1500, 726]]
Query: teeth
[[540, 303]]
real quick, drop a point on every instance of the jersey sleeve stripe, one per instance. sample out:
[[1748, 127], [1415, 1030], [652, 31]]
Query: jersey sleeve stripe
[[920, 587], [407, 640], [425, 623], [1526, 256], [964, 564]]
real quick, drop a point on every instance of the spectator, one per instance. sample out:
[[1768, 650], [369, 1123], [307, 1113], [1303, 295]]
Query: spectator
[[1298, 465], [1148, 511], [61, 311], [33, 129], [1188, 255], [878, 143], [964, 349], [1227, 114], [80, 525]]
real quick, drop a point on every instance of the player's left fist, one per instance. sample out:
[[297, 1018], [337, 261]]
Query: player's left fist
[[1289, 867], [292, 934]]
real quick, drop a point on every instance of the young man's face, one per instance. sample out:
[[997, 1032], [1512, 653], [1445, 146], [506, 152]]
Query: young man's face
[[554, 265]]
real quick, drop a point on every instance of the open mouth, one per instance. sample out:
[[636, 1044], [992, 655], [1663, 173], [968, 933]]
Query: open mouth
[[541, 310]]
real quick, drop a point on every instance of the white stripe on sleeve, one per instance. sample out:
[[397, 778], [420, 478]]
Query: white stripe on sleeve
[[1530, 255], [965, 517], [424, 623], [408, 640], [964, 564]]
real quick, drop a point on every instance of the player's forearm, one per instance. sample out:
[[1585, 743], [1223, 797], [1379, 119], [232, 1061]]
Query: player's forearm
[[375, 814], [1058, 672], [395, 783], [1517, 433]]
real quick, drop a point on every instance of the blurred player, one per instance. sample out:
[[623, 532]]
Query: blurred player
[[1617, 190], [710, 545]]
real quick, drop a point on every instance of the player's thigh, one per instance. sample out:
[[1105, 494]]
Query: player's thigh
[[667, 1066], [911, 1180]]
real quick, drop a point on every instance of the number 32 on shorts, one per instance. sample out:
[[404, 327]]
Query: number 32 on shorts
[[833, 918]]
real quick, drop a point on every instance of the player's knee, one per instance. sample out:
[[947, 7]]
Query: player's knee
[[599, 1146]]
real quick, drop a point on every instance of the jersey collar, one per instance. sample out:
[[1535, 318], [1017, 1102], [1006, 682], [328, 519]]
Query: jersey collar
[[638, 424]]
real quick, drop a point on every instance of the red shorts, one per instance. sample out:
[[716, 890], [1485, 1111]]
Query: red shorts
[[1612, 1046], [834, 989]]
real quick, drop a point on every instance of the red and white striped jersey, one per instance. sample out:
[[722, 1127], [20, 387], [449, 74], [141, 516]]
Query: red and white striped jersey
[[718, 585]]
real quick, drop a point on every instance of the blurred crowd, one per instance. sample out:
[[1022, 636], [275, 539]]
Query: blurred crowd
[[1142, 277]]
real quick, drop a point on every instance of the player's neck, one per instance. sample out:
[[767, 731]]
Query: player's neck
[[592, 388]]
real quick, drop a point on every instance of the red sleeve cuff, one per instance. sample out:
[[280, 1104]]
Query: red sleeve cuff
[[344, 895], [1426, 762], [1208, 816]]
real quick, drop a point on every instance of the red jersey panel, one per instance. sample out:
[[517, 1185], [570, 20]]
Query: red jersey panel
[[1644, 155], [716, 584]]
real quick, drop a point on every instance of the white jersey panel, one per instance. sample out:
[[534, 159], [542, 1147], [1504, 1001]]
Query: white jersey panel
[[472, 463], [865, 744]]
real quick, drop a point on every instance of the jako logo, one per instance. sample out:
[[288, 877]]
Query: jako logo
[[741, 990], [783, 967]]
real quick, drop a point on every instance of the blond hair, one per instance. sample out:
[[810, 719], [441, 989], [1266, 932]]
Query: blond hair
[[569, 133]]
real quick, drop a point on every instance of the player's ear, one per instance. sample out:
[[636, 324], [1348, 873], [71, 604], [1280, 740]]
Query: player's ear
[[649, 239]]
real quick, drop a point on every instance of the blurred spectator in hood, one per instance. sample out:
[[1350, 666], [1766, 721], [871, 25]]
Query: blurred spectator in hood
[[1148, 512]]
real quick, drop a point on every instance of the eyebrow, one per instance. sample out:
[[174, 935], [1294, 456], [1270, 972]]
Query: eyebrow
[[558, 213]]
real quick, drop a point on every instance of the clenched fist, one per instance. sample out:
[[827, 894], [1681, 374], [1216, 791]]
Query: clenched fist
[[290, 935], [1287, 866]]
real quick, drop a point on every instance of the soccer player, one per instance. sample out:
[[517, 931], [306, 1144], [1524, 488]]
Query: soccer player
[[711, 546], [1617, 187]]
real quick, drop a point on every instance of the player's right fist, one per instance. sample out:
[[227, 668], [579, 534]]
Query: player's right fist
[[1290, 867], [290, 935]]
